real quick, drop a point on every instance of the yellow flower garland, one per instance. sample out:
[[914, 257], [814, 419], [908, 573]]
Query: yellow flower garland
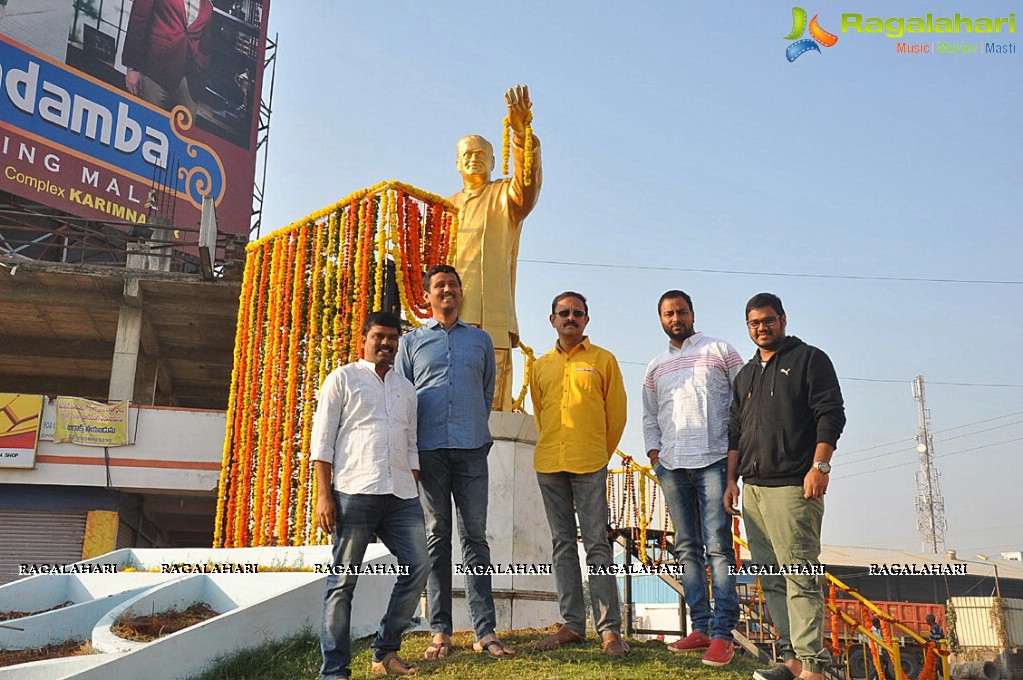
[[527, 148]]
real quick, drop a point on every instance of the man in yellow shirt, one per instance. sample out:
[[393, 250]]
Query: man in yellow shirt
[[579, 405]]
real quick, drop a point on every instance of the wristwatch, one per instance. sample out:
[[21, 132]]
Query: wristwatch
[[822, 466]]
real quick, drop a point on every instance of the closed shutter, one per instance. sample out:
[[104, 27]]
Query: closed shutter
[[39, 538], [125, 535]]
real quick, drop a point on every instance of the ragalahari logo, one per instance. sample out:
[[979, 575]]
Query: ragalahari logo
[[819, 35]]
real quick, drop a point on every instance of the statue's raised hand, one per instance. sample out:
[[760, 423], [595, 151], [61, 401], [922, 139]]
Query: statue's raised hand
[[518, 108]]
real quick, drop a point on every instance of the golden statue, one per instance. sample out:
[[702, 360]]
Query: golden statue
[[489, 225]]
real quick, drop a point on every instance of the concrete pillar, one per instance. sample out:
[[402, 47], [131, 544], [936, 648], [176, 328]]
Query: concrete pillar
[[517, 531], [145, 379], [126, 354]]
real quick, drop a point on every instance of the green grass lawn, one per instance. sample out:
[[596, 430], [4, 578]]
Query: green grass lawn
[[299, 657]]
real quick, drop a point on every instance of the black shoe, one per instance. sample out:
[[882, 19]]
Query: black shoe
[[779, 672]]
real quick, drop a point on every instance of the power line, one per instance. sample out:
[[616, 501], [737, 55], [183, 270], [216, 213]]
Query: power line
[[980, 422], [885, 380], [970, 434], [913, 462], [848, 277], [880, 446], [947, 439], [947, 429], [933, 382]]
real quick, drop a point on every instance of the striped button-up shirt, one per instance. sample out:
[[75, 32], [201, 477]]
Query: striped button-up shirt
[[366, 428], [686, 397]]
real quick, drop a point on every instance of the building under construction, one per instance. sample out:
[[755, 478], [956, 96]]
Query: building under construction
[[120, 265]]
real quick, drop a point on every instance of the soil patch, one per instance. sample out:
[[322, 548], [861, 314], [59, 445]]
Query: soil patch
[[11, 657], [152, 626], [7, 616]]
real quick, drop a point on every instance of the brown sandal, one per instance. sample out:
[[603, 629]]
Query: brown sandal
[[501, 651], [437, 650], [392, 664], [563, 636]]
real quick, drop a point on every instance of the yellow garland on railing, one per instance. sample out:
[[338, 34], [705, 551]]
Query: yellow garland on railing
[[305, 291]]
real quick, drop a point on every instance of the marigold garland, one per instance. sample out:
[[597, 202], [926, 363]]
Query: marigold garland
[[305, 290], [527, 148], [932, 652], [736, 545], [836, 644], [505, 144], [527, 152], [301, 535]]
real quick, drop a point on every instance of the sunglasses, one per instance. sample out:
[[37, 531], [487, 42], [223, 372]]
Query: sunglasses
[[577, 313]]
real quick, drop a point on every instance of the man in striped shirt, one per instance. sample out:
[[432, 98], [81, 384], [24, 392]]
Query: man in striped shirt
[[686, 399]]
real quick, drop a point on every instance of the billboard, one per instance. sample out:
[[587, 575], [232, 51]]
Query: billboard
[[132, 110], [19, 429]]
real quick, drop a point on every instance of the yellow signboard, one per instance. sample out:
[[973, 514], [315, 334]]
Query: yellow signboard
[[91, 423], [19, 429]]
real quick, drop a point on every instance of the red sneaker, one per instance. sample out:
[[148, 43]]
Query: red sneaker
[[694, 642], [719, 653]]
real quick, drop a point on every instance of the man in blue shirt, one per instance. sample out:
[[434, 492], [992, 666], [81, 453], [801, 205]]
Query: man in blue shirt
[[452, 367]]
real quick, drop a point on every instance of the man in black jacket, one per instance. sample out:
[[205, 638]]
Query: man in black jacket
[[786, 418]]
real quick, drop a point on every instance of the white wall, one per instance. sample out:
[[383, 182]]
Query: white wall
[[174, 449]]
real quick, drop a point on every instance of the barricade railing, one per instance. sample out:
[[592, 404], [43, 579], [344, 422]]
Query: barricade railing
[[636, 487]]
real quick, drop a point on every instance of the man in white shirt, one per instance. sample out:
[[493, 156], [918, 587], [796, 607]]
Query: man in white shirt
[[686, 397], [366, 461]]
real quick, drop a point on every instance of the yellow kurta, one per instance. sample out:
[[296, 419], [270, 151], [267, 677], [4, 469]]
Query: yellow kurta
[[489, 226], [579, 407]]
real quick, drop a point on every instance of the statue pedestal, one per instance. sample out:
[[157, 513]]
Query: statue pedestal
[[517, 532]]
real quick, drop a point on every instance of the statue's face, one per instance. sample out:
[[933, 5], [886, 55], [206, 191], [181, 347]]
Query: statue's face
[[475, 158]]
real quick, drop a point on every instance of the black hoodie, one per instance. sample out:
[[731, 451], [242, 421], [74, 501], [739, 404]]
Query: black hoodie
[[781, 411]]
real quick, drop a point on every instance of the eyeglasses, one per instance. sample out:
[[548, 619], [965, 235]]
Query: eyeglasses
[[757, 323], [565, 313]]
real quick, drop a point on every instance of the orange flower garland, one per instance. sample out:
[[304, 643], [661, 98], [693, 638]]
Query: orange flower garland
[[239, 368], [931, 654], [305, 291], [836, 644], [302, 504]]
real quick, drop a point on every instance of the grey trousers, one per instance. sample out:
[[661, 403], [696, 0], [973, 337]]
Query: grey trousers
[[564, 495]]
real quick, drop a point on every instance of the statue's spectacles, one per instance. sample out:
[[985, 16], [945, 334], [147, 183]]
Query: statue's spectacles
[[577, 313]]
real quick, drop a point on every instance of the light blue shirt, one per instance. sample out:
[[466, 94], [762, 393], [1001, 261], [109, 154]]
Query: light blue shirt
[[453, 372]]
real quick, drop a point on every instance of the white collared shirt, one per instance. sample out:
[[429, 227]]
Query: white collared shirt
[[192, 10], [687, 392], [366, 428]]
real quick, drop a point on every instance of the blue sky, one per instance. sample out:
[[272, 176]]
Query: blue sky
[[676, 137]]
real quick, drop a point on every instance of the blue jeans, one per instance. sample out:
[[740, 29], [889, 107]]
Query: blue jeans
[[564, 496], [398, 522], [702, 530], [463, 474]]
